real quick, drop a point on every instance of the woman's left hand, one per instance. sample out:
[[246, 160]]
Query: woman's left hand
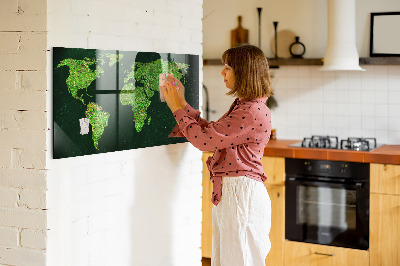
[[171, 94]]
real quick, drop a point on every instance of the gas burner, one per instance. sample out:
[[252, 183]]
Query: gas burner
[[332, 142], [327, 142], [358, 144]]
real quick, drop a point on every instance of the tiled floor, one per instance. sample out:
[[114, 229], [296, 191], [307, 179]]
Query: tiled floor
[[206, 261]]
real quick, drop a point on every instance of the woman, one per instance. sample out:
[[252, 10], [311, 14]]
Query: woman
[[242, 208]]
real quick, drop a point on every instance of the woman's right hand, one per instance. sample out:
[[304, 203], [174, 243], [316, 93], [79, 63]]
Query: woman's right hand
[[181, 91]]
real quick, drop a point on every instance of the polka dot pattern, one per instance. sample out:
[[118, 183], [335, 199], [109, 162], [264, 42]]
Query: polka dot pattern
[[238, 139]]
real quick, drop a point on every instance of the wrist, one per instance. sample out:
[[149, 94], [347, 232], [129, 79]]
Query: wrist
[[176, 107], [183, 104]]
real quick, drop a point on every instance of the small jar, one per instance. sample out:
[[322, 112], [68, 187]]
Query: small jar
[[273, 134]]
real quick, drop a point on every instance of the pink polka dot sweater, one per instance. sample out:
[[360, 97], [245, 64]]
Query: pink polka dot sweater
[[238, 139]]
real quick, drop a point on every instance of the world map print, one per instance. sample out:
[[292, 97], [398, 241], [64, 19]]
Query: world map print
[[109, 100]]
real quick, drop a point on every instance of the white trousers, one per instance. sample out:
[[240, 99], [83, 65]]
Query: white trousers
[[241, 223]]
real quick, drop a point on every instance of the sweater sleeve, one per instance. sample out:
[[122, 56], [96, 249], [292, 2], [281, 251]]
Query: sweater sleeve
[[231, 130], [193, 113]]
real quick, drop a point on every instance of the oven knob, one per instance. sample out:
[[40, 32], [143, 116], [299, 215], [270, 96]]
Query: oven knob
[[343, 168], [308, 166]]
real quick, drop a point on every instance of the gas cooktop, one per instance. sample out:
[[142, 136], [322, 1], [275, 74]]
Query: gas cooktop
[[332, 142]]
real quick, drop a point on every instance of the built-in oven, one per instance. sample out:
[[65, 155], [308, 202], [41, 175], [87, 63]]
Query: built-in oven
[[327, 202]]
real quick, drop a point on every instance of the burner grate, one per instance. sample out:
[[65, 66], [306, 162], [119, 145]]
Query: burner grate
[[332, 142], [358, 144], [327, 142]]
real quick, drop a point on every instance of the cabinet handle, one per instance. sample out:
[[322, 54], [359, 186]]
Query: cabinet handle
[[325, 254]]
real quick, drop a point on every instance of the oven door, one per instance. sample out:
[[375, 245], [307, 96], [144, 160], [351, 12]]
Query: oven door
[[327, 213]]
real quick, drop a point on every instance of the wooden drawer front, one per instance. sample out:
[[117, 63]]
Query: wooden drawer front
[[385, 178], [277, 233], [384, 237], [274, 168], [206, 225], [304, 254]]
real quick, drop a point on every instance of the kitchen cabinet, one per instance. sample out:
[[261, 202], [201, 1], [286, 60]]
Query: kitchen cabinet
[[277, 233], [206, 225], [385, 178], [385, 214], [274, 168], [385, 230], [384, 247], [305, 254]]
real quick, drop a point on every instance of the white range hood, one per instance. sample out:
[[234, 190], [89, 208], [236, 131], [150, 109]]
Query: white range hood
[[341, 51]]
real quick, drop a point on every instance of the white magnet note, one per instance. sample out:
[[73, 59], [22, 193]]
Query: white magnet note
[[84, 123]]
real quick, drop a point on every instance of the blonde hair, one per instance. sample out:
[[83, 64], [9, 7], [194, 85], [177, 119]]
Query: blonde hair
[[250, 66]]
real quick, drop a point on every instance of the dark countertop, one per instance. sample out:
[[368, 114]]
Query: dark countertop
[[389, 154]]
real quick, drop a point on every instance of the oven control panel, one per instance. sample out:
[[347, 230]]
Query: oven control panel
[[325, 167], [338, 169]]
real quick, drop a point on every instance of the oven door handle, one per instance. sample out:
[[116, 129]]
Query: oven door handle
[[357, 185]]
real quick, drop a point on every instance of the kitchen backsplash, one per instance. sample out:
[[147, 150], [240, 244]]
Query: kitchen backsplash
[[314, 102]]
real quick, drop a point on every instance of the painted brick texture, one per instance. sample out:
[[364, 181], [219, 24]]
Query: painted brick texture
[[9, 237], [23, 218], [125, 207], [33, 239], [109, 209]]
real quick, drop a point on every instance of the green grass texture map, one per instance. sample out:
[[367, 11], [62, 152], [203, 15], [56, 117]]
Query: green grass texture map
[[109, 100]]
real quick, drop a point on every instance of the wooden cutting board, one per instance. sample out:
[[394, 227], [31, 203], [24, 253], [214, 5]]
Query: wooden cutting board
[[239, 35]]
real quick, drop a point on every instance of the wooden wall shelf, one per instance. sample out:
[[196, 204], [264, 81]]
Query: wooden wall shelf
[[380, 61], [295, 62], [274, 63]]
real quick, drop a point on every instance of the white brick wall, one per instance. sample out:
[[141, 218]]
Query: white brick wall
[[23, 218], [8, 197], [23, 178], [9, 237], [136, 207], [101, 206], [24, 256], [33, 239]]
